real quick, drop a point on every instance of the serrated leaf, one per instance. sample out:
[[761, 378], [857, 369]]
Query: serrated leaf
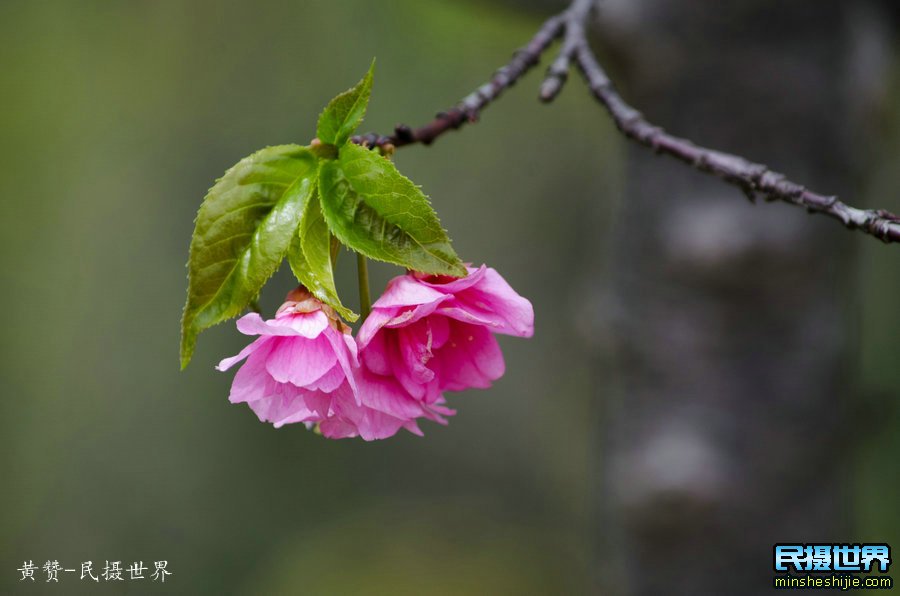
[[243, 230], [310, 258], [343, 114], [378, 212]]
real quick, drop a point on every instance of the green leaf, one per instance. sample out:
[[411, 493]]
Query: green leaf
[[343, 114], [310, 258], [243, 230], [378, 212]]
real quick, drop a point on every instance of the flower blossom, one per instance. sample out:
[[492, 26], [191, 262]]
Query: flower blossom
[[303, 368], [430, 334], [425, 335]]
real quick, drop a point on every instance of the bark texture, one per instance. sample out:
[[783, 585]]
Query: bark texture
[[732, 319]]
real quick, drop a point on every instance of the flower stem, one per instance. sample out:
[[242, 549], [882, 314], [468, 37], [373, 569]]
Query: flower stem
[[362, 272], [335, 251]]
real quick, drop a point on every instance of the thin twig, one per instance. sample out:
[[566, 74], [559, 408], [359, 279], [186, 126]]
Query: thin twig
[[575, 19], [468, 109], [752, 178]]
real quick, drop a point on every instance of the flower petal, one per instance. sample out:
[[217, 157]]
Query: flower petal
[[495, 295], [374, 355], [401, 371], [454, 285], [414, 343], [406, 290], [493, 303], [471, 359], [386, 395], [286, 406], [320, 403], [439, 327], [299, 360], [252, 381], [413, 427], [330, 380], [414, 314], [394, 317], [347, 356], [309, 325], [229, 362], [377, 425], [338, 428]]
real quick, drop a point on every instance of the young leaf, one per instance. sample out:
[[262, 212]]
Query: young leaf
[[376, 211], [344, 113], [242, 232], [310, 258]]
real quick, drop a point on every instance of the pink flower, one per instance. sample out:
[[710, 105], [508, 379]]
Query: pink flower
[[430, 334], [303, 368], [425, 335]]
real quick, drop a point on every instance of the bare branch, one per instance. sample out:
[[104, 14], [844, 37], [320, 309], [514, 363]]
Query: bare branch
[[752, 178], [575, 19], [469, 107]]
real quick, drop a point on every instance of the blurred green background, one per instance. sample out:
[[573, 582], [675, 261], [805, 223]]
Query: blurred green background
[[117, 116]]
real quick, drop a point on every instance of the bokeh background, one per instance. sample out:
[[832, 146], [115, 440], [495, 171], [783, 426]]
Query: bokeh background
[[117, 116]]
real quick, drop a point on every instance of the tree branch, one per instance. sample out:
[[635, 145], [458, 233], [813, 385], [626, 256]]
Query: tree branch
[[752, 178], [469, 107]]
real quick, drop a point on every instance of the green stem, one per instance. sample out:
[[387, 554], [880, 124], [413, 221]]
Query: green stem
[[335, 250], [362, 272]]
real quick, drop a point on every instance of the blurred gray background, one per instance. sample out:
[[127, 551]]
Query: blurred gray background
[[117, 116]]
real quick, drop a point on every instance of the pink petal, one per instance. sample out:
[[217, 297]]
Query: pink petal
[[405, 290], [344, 414], [437, 410], [414, 314], [337, 428], [292, 412], [386, 395], [412, 427], [440, 331], [394, 317], [473, 316], [495, 295], [414, 343], [369, 423], [485, 352], [374, 355], [376, 425], [283, 408], [345, 349], [350, 346], [300, 361], [252, 382], [472, 358], [320, 403], [436, 416], [432, 390], [229, 362], [493, 303], [377, 319], [330, 380], [401, 371], [454, 286], [308, 325]]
